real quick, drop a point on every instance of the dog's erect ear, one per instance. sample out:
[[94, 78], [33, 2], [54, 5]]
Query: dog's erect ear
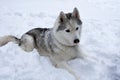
[[62, 17], [75, 13]]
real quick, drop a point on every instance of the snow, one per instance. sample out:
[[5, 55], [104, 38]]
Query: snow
[[100, 37]]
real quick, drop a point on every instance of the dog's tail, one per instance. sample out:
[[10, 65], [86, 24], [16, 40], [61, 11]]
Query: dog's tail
[[4, 40]]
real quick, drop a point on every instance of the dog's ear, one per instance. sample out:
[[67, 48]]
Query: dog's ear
[[75, 13], [62, 17]]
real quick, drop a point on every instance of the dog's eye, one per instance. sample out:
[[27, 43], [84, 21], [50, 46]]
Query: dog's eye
[[67, 30], [77, 28]]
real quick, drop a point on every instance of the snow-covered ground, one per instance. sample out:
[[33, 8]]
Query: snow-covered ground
[[100, 37]]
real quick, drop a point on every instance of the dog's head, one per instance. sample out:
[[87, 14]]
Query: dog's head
[[67, 28]]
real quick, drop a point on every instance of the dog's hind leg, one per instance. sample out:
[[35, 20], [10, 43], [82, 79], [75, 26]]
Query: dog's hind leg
[[64, 65], [27, 43]]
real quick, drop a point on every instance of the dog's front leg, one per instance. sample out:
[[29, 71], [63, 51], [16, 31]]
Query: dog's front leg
[[82, 54], [64, 65]]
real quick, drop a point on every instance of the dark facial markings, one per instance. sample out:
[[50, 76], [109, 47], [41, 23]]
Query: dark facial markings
[[61, 27], [69, 16]]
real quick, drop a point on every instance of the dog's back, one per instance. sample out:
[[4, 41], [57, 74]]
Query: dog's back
[[39, 35], [42, 39]]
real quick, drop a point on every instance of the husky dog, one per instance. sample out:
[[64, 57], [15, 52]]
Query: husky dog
[[60, 43]]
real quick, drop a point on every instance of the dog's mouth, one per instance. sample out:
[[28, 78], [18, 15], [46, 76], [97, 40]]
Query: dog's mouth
[[75, 44]]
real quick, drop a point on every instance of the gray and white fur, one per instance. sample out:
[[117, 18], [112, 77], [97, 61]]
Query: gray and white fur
[[60, 43]]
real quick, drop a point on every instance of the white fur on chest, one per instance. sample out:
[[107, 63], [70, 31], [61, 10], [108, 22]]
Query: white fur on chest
[[65, 53]]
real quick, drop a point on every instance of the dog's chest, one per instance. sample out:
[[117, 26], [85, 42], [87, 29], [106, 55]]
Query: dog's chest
[[65, 54]]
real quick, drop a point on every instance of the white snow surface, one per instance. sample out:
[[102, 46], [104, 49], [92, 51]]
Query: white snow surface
[[100, 37]]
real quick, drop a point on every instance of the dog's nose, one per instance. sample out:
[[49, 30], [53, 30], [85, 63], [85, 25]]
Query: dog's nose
[[76, 41]]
